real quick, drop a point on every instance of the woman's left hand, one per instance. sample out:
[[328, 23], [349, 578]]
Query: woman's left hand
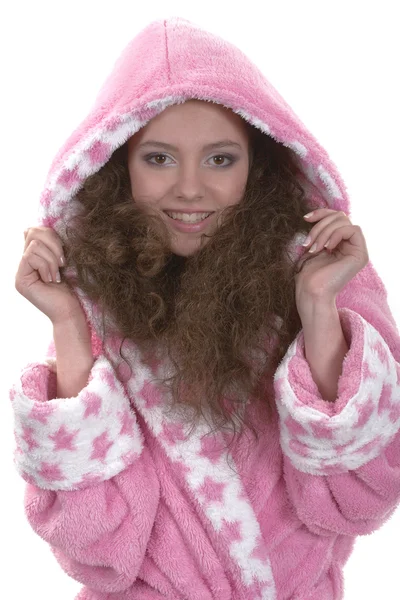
[[323, 274]]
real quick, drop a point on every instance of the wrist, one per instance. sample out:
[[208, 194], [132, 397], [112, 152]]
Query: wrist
[[72, 328], [311, 307]]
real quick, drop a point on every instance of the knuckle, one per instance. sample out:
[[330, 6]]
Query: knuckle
[[35, 244]]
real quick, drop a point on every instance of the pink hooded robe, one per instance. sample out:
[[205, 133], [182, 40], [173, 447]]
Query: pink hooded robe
[[131, 507]]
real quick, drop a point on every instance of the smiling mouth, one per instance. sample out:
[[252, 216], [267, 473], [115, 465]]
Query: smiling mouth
[[190, 227], [195, 217]]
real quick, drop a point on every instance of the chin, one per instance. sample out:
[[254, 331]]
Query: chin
[[187, 248], [184, 252]]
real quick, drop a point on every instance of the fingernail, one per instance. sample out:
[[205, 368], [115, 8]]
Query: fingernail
[[58, 278], [62, 261], [309, 215], [313, 247], [306, 241]]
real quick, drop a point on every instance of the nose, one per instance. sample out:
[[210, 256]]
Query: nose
[[189, 183]]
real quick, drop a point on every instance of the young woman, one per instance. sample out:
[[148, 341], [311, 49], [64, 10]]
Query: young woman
[[218, 416]]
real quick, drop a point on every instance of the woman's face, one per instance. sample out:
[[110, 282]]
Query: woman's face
[[180, 178]]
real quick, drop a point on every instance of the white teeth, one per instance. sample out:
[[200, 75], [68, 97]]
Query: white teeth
[[188, 217]]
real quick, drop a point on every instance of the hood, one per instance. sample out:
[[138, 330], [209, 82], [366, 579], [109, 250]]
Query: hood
[[168, 62]]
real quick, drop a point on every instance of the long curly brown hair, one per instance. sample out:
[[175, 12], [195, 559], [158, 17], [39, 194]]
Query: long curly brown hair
[[224, 316]]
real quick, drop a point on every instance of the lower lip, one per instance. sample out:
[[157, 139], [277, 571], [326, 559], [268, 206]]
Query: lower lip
[[189, 227]]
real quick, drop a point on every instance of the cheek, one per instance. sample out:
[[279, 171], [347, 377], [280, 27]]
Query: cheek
[[232, 192], [145, 190], [141, 184]]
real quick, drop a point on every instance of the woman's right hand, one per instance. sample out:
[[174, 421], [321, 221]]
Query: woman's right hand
[[40, 261]]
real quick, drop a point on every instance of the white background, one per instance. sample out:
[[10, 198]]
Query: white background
[[337, 65]]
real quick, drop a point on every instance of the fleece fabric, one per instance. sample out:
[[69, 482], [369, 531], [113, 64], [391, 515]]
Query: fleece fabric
[[134, 508]]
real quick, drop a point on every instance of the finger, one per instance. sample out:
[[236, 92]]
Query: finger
[[352, 233], [333, 220], [305, 258], [48, 237], [38, 248], [319, 213], [31, 263], [333, 235]]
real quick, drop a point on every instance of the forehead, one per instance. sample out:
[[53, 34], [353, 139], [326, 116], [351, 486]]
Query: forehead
[[208, 122]]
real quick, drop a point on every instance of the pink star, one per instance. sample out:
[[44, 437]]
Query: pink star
[[101, 446], [365, 411], [99, 152], [41, 412], [68, 178], [366, 371], [150, 395], [108, 378], [93, 404], [182, 469], [299, 448], [294, 428], [173, 432], [381, 352], [46, 198], [63, 439], [127, 422], [212, 447], [231, 531], [51, 472], [28, 437], [212, 490]]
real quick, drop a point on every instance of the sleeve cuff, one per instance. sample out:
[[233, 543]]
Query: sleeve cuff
[[322, 437], [71, 443]]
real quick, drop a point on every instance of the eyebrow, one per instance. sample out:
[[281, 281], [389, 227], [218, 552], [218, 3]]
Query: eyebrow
[[219, 144]]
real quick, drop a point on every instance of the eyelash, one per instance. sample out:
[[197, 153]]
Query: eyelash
[[228, 156]]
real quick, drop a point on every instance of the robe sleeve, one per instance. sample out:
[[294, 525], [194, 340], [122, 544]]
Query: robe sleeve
[[342, 458], [92, 491]]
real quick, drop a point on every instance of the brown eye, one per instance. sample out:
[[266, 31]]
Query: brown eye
[[150, 157], [158, 155], [224, 157]]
